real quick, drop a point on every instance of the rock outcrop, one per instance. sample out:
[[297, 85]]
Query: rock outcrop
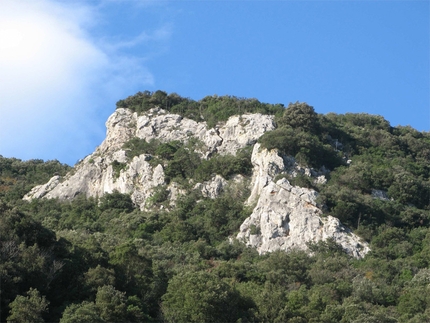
[[284, 216], [287, 216], [212, 188], [95, 175]]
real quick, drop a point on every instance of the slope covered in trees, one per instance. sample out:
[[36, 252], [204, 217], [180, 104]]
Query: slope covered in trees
[[103, 260]]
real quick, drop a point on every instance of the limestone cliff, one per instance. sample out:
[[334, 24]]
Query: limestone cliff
[[287, 216], [95, 175], [284, 216]]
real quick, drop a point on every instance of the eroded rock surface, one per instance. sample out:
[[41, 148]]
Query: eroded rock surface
[[287, 217], [284, 216], [95, 175]]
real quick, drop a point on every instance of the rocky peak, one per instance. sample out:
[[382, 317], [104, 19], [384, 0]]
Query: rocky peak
[[95, 175], [284, 216]]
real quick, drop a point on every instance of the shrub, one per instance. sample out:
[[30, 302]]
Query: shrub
[[117, 167]]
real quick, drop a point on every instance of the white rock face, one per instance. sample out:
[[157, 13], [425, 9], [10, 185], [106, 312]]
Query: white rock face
[[212, 188], [266, 165], [284, 216], [42, 190], [121, 126], [237, 132], [242, 131], [157, 124], [287, 216], [95, 176]]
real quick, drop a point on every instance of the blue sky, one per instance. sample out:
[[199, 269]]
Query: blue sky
[[64, 64]]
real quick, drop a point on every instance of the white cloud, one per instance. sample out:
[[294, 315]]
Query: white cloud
[[54, 77]]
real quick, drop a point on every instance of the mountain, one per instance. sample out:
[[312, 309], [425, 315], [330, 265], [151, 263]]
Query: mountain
[[284, 217], [224, 209]]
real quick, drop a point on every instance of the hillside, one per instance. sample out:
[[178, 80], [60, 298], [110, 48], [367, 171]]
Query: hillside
[[224, 209]]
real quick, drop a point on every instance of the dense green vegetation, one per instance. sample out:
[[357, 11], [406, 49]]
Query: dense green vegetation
[[392, 159], [103, 260], [211, 109], [18, 177]]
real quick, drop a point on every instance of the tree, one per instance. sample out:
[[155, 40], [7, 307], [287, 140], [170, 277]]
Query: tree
[[28, 308], [99, 276], [300, 116], [116, 200], [81, 313], [202, 297], [110, 306]]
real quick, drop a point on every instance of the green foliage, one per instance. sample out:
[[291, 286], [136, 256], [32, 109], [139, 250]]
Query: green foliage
[[202, 297], [301, 180], [28, 309], [181, 161], [116, 200], [81, 313], [144, 101], [17, 177], [225, 165], [300, 116], [110, 305], [253, 229], [99, 277], [307, 148], [167, 150], [160, 194], [394, 160], [211, 219], [103, 260], [182, 165], [136, 146], [220, 108], [211, 109], [117, 167]]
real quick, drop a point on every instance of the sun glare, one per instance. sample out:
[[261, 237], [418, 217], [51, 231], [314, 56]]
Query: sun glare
[[10, 38], [20, 42]]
